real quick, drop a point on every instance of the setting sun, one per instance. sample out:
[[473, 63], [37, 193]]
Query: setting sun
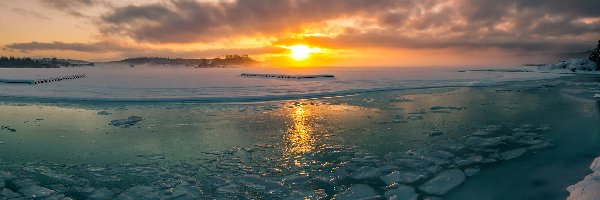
[[301, 52]]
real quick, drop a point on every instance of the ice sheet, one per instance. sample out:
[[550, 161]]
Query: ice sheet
[[224, 85]]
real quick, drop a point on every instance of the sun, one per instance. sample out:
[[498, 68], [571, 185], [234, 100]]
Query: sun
[[301, 52]]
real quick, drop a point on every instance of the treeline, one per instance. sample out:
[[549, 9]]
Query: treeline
[[202, 62], [26, 62]]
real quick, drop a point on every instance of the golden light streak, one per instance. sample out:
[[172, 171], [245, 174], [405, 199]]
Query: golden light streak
[[299, 136]]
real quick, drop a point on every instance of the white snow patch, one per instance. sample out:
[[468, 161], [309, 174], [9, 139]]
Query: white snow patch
[[589, 187], [571, 65]]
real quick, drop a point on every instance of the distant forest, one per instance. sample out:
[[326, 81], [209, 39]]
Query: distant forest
[[202, 62], [26, 62], [12, 62]]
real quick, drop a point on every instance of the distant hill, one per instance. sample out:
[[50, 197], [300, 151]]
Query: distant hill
[[26, 62], [227, 60]]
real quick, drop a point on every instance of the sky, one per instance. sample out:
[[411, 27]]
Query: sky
[[336, 32]]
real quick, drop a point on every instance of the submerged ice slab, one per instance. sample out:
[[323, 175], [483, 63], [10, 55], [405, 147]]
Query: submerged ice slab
[[402, 192], [360, 191], [443, 182]]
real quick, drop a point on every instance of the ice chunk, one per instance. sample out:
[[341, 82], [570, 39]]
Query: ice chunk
[[468, 161], [403, 177], [436, 160], [263, 185], [471, 171], [102, 193], [595, 166], [443, 182], [511, 154], [402, 192], [359, 191], [529, 141], [124, 123], [370, 172], [452, 146], [184, 192], [9, 193], [543, 144], [433, 169], [486, 142], [35, 191], [104, 113], [412, 163], [435, 133], [57, 197], [441, 154], [296, 179], [140, 192]]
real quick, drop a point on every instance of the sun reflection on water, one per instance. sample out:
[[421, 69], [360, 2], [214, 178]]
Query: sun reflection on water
[[299, 136]]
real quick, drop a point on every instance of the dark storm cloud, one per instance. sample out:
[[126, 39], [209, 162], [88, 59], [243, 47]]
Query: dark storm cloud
[[507, 24], [189, 21]]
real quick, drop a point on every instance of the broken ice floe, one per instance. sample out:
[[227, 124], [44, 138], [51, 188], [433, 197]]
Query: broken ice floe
[[256, 172], [443, 182], [471, 171], [360, 191], [124, 123], [403, 192], [406, 177]]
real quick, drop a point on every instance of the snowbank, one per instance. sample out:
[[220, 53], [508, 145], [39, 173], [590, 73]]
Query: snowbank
[[570, 65], [589, 187]]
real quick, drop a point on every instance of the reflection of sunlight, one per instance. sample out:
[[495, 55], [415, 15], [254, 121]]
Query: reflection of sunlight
[[299, 136]]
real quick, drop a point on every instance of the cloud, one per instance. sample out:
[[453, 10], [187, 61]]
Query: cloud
[[511, 24], [182, 21], [74, 7], [61, 46], [533, 27], [29, 13]]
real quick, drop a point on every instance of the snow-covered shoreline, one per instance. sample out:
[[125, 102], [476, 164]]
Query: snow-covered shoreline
[[571, 65], [589, 187]]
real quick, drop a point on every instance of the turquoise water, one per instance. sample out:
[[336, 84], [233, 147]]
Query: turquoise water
[[318, 148]]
